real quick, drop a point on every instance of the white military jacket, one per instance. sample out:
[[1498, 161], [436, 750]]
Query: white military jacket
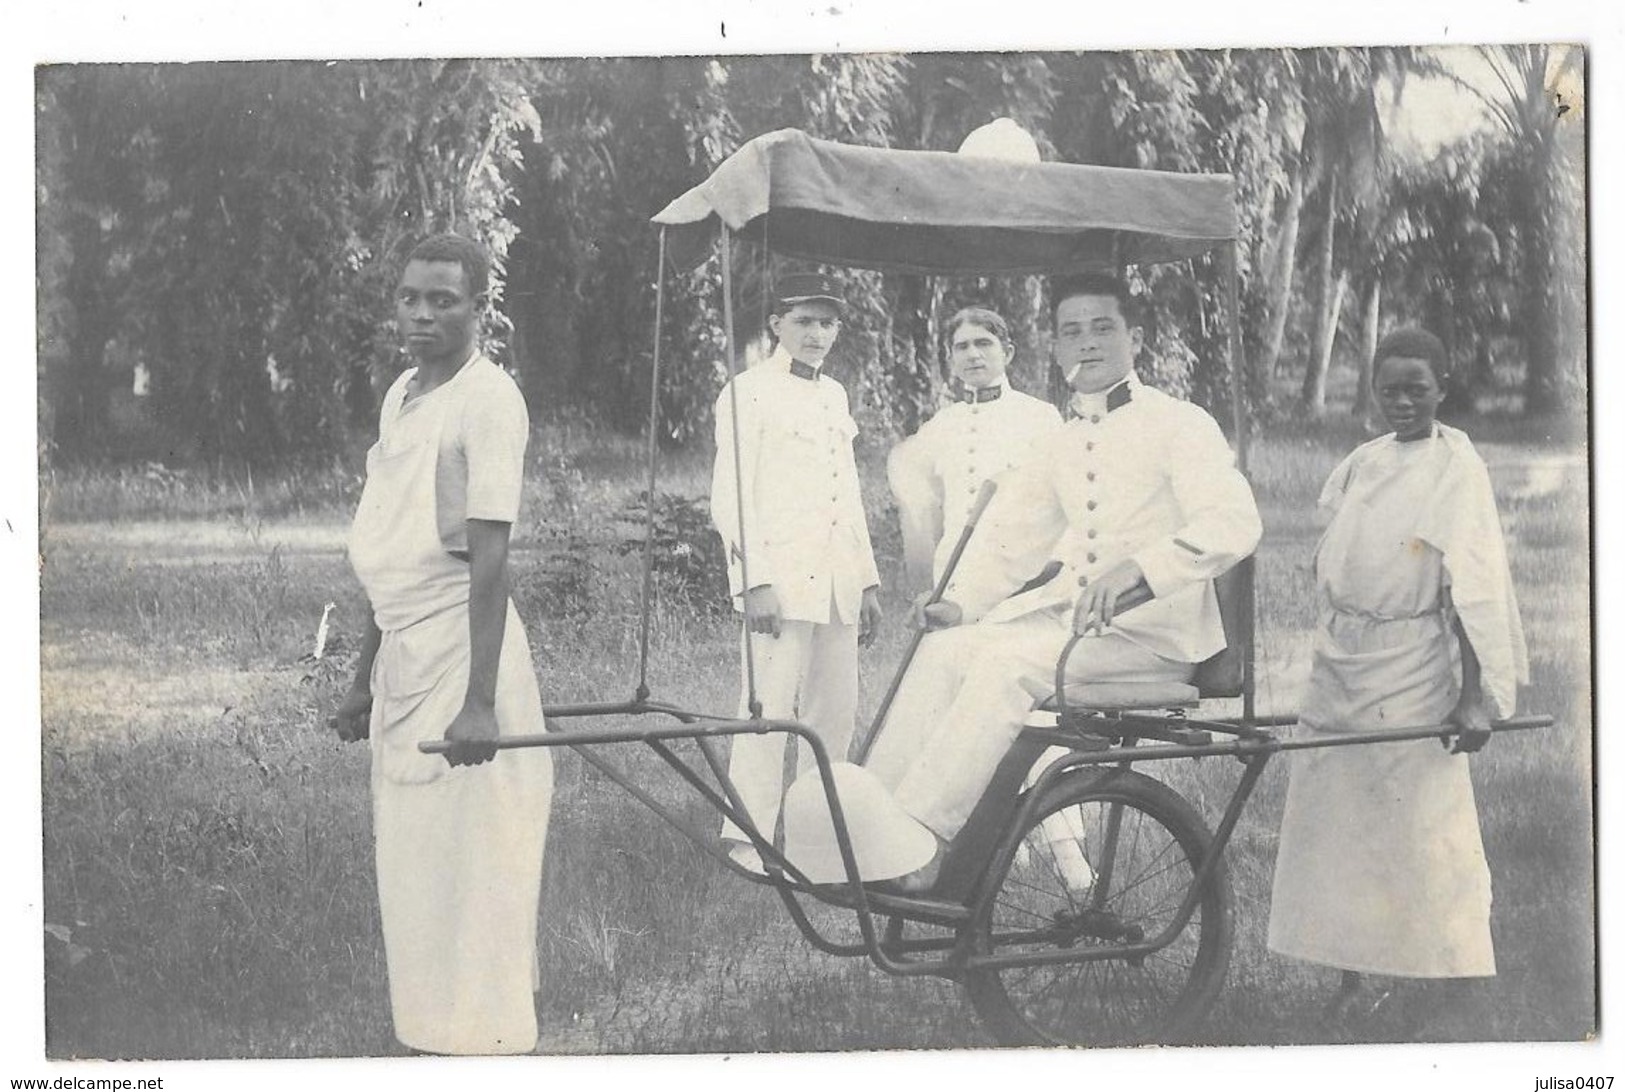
[[805, 530], [1151, 479], [936, 473]]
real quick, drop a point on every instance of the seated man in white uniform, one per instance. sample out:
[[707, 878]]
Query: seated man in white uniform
[[987, 429], [936, 474], [1138, 488]]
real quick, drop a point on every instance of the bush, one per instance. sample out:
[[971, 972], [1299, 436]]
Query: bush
[[686, 557]]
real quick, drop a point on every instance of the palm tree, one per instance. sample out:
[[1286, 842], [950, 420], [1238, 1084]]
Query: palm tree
[[1536, 100], [1344, 165]]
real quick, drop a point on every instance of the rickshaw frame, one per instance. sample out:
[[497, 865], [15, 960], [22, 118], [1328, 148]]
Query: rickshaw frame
[[1252, 745], [1101, 746]]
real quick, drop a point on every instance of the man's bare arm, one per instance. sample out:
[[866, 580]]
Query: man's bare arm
[[352, 718], [474, 730]]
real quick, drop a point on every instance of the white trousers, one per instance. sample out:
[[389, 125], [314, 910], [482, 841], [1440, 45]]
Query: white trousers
[[963, 701], [809, 672]]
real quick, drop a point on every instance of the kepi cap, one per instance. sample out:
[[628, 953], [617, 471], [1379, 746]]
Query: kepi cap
[[794, 288]]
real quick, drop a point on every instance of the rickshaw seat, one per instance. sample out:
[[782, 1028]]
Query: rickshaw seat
[[1117, 697], [1221, 675], [1224, 674]]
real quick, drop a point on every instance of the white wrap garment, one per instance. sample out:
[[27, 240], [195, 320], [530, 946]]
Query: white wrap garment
[[1381, 867], [458, 850]]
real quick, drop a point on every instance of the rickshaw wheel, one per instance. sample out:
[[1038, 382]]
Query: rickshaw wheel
[[1160, 842]]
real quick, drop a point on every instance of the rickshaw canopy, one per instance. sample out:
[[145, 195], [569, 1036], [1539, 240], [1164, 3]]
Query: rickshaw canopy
[[942, 212]]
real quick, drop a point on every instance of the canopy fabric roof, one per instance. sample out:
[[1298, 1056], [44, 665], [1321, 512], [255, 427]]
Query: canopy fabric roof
[[941, 212]]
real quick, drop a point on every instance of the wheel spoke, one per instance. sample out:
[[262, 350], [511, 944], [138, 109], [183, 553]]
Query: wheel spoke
[[1145, 878], [1013, 882], [1016, 908], [1158, 844]]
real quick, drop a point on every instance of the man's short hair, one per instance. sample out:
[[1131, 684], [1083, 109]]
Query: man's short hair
[[448, 247], [991, 321], [1414, 343], [1095, 284]]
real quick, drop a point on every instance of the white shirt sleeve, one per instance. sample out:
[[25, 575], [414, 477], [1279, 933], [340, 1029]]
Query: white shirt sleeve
[[1221, 518], [496, 427], [730, 491], [1462, 524], [869, 572], [916, 486]]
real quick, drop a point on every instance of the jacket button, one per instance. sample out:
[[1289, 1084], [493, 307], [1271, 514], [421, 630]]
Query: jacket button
[[1094, 418], [1091, 506], [1093, 532], [1093, 559], [1090, 475], [1089, 445]]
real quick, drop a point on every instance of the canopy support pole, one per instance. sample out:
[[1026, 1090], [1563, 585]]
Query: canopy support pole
[[649, 497], [1238, 414], [753, 703], [1238, 361]]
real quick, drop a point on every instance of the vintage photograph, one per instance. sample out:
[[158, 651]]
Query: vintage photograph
[[815, 551]]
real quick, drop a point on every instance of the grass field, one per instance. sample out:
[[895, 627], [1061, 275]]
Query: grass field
[[207, 855]]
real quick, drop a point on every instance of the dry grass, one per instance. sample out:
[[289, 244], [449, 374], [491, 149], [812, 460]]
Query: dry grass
[[207, 846]]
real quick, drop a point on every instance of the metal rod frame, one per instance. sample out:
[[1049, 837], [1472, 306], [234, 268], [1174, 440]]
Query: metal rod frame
[[647, 609], [752, 702], [1254, 748]]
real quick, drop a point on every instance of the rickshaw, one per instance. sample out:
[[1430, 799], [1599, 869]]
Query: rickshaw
[[1141, 954]]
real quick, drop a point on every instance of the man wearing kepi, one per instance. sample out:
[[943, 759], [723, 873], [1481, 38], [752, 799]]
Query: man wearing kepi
[[1138, 488], [800, 566], [459, 837]]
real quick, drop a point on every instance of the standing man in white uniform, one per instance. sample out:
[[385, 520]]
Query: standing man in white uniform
[[458, 838], [1138, 488], [800, 566]]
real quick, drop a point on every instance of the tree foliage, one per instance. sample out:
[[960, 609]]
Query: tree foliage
[[235, 228], [1538, 106]]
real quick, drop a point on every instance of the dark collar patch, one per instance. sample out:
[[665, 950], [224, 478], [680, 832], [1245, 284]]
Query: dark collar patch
[[1119, 396], [974, 395]]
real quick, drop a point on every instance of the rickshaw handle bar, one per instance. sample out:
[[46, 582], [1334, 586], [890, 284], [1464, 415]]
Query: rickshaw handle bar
[[708, 727], [701, 729], [1253, 745], [1139, 593]]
